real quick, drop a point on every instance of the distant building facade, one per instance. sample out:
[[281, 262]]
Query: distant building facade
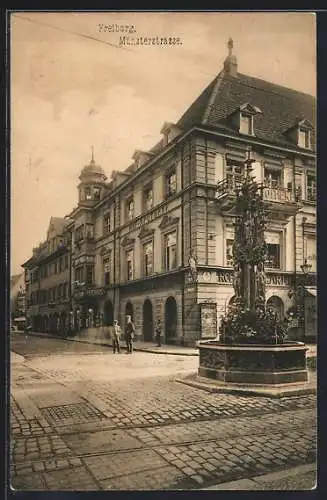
[[17, 296], [155, 241]]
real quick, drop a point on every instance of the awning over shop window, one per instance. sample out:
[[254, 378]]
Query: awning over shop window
[[311, 290]]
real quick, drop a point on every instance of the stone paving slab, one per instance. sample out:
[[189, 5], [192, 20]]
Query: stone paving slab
[[147, 433]]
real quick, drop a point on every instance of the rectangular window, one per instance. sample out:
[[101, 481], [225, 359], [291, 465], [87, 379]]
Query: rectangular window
[[130, 265], [96, 193], [233, 174], [107, 269], [148, 197], [246, 123], [311, 188], [66, 262], [79, 274], [87, 193], [55, 267], [79, 233], [106, 224], [273, 178], [89, 274], [89, 229], [229, 252], [170, 251], [273, 256], [148, 258], [130, 209], [304, 138], [311, 253], [171, 183]]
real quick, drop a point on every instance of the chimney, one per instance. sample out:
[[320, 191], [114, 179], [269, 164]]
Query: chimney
[[230, 63]]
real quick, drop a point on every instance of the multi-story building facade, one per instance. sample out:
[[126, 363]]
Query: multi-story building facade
[[156, 240], [48, 280]]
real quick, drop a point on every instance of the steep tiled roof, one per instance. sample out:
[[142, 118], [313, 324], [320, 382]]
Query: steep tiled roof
[[281, 107]]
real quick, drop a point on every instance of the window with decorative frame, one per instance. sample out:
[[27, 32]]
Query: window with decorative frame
[[170, 250], [130, 208], [87, 193], [229, 252], [106, 223], [273, 177], [107, 269], [89, 274], [148, 197], [89, 230], [311, 252], [311, 187], [170, 183], [148, 258], [79, 274], [129, 259]]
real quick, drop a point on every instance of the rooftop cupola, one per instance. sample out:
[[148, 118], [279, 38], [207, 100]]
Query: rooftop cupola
[[230, 63], [92, 182]]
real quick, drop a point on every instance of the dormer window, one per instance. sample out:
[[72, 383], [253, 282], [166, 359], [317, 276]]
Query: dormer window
[[245, 115], [301, 134], [304, 138], [246, 124]]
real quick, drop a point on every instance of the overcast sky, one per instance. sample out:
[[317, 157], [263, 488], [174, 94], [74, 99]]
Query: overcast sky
[[70, 92]]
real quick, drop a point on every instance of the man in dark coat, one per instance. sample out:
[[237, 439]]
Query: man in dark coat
[[158, 333], [129, 334]]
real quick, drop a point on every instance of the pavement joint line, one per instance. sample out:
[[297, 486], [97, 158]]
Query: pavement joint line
[[147, 447]]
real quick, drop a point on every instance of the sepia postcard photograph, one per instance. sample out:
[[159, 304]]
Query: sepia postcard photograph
[[163, 294]]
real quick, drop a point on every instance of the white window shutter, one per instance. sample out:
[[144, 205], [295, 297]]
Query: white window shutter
[[219, 167]]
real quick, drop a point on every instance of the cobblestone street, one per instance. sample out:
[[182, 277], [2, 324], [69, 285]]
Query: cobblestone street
[[83, 418]]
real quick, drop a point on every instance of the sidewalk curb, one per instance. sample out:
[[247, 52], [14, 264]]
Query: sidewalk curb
[[249, 483], [87, 341]]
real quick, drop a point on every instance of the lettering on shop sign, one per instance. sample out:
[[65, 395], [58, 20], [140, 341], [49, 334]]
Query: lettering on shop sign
[[90, 292], [279, 280], [146, 219], [224, 277]]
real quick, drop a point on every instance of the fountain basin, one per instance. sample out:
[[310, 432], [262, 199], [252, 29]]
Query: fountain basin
[[262, 364]]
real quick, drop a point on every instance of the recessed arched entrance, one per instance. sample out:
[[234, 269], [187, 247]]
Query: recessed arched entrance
[[170, 320], [108, 313], [276, 304], [147, 320], [129, 310]]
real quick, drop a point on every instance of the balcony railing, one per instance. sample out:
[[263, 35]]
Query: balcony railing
[[277, 194]]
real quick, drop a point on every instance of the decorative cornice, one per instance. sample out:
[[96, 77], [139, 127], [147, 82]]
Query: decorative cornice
[[127, 241], [145, 232], [168, 220]]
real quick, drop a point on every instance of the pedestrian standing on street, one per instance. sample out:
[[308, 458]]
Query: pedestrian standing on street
[[158, 333], [129, 334], [116, 333]]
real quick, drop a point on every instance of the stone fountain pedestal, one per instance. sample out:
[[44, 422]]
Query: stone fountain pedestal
[[264, 370]]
